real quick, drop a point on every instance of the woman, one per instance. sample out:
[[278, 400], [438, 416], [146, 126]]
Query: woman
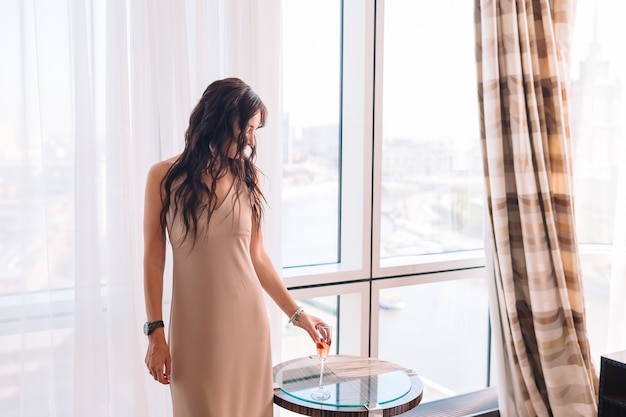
[[208, 200]]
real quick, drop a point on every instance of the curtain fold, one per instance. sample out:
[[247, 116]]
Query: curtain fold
[[522, 52], [94, 93], [89, 325]]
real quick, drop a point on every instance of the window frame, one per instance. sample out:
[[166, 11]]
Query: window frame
[[360, 269]]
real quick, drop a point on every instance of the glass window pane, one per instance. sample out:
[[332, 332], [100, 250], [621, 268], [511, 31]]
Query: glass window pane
[[597, 114], [444, 329], [311, 101], [432, 183], [596, 271]]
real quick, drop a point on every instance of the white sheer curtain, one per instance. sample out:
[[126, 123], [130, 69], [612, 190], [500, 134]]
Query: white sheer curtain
[[617, 303], [92, 94]]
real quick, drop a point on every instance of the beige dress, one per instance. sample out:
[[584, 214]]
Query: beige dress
[[219, 333]]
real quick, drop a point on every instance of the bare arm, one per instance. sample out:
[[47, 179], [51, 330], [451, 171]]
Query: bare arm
[[273, 284], [158, 358]]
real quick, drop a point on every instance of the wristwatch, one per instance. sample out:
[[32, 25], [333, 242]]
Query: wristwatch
[[151, 326]]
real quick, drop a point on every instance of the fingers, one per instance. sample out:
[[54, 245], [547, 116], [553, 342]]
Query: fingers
[[150, 370], [306, 323], [314, 337], [168, 370], [159, 362], [311, 328], [163, 378], [160, 375], [324, 331]]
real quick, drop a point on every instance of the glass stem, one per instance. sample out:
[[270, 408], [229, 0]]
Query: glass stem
[[321, 372]]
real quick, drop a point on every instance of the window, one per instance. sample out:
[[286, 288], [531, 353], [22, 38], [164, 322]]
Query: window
[[431, 184], [597, 109], [406, 205], [311, 120], [432, 319]]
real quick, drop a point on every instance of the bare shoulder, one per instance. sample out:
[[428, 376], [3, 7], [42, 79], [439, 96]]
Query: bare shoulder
[[157, 171]]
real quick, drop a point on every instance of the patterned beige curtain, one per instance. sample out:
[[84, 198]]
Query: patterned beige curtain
[[537, 303]]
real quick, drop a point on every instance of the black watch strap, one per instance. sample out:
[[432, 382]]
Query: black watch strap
[[151, 326]]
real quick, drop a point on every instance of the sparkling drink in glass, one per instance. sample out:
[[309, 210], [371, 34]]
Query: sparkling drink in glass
[[323, 347]]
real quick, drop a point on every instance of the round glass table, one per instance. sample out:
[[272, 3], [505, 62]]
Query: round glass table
[[358, 386]]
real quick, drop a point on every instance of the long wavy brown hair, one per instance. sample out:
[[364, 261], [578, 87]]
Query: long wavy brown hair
[[207, 139]]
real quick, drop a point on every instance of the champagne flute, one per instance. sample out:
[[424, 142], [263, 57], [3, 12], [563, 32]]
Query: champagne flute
[[323, 347]]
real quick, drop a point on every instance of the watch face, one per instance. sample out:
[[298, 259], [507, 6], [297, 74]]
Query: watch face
[[148, 327]]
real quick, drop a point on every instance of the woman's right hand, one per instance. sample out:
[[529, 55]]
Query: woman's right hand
[[158, 359]]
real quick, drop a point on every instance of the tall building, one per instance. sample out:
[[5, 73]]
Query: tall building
[[596, 100]]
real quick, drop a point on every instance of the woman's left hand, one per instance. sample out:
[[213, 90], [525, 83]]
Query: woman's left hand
[[310, 323]]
